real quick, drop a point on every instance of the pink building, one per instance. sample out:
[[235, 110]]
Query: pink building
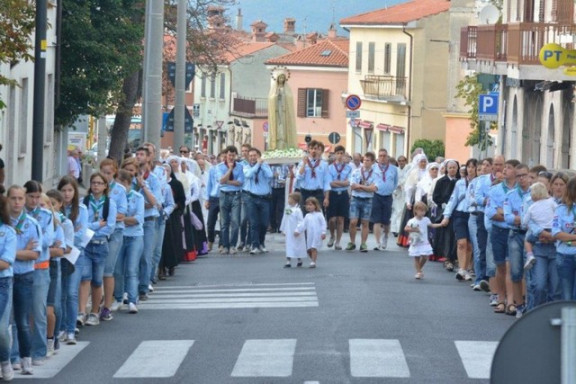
[[318, 78]]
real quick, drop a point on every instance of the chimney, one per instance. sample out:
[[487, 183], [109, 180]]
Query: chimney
[[332, 32], [216, 17], [259, 30], [289, 25], [239, 20]]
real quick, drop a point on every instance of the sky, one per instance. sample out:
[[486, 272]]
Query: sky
[[310, 15]]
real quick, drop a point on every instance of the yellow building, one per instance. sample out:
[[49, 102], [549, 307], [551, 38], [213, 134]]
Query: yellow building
[[399, 68]]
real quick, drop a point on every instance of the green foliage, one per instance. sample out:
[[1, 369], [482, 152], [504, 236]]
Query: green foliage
[[16, 26], [101, 45], [432, 148], [469, 90]]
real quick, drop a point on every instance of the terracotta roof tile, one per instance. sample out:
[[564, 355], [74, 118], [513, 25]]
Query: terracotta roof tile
[[243, 49], [325, 53], [400, 13]]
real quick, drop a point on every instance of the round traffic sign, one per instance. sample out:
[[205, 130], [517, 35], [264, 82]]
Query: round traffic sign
[[334, 138], [353, 102]]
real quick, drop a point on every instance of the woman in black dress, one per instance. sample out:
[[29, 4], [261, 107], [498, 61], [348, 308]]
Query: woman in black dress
[[444, 241]]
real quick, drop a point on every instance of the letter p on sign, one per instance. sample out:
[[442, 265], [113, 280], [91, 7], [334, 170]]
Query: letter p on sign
[[488, 104]]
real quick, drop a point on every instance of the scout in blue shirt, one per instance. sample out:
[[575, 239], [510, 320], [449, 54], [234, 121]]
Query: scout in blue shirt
[[382, 201], [339, 172], [313, 177], [8, 244], [213, 202], [563, 230], [230, 175]]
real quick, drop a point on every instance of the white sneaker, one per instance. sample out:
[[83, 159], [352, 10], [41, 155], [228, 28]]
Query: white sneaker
[[17, 366], [50, 347], [233, 251], [62, 336], [71, 339], [27, 366], [384, 242], [38, 362], [92, 319], [132, 308], [263, 249], [150, 288], [116, 305], [7, 371], [530, 260], [80, 319]]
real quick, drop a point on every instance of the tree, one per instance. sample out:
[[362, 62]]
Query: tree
[[432, 148], [16, 26]]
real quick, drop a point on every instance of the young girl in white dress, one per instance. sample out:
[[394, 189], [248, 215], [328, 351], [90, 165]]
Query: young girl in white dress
[[295, 246], [315, 226], [417, 227]]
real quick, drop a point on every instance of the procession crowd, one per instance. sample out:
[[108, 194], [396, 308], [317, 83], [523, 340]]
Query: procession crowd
[[68, 261]]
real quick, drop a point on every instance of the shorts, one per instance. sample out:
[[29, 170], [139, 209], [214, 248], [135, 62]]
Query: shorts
[[339, 204], [95, 260], [460, 225], [381, 209], [360, 208], [499, 239]]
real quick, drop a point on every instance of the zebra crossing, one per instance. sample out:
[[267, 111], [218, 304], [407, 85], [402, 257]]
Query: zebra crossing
[[280, 295], [274, 358]]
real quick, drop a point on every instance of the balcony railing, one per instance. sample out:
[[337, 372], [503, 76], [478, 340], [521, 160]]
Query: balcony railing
[[518, 43], [250, 107], [384, 87]]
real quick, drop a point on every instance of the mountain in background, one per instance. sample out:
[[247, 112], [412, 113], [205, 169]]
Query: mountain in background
[[310, 16]]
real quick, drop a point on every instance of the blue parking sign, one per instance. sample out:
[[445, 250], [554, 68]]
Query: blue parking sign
[[488, 107]]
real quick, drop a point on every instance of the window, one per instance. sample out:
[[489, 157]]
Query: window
[[222, 86], [399, 144], [387, 58], [212, 86], [203, 86], [23, 140], [401, 69], [312, 102], [49, 124], [371, 53], [358, 56]]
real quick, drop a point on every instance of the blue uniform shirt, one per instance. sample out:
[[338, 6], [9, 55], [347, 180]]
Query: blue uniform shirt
[[496, 198], [564, 221], [257, 178], [458, 199], [27, 228], [244, 163], [470, 193], [339, 172], [515, 205], [315, 175], [80, 224], [153, 184], [360, 176], [46, 221], [95, 212], [213, 184], [169, 204], [8, 243], [118, 194], [59, 236], [237, 174], [483, 185], [136, 210], [389, 180]]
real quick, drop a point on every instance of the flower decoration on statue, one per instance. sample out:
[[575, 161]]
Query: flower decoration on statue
[[279, 70]]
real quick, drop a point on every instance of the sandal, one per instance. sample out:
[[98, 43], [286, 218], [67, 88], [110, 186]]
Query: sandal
[[299, 264], [449, 266], [511, 310], [500, 308]]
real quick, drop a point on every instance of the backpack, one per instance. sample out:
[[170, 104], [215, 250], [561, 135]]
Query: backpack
[[105, 209]]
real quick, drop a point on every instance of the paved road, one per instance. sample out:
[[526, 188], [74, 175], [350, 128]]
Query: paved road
[[357, 318]]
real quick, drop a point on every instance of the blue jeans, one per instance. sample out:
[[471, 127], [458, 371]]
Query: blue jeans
[[95, 257], [160, 229], [567, 273], [126, 274], [22, 304], [213, 211], [70, 287], [146, 258], [230, 218], [516, 256], [114, 245], [544, 275], [490, 264], [5, 310], [473, 232], [39, 301], [259, 211], [245, 222]]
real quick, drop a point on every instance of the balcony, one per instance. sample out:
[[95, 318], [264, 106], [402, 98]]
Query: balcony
[[385, 88], [517, 43], [250, 107]]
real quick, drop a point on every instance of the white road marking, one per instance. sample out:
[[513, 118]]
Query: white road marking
[[476, 357], [155, 358], [265, 358], [56, 363], [377, 358]]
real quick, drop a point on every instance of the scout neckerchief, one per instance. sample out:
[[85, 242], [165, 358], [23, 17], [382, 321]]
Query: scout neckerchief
[[384, 170], [112, 185], [339, 169], [313, 167], [505, 187], [96, 205], [364, 178], [35, 212], [20, 223], [231, 173], [257, 172]]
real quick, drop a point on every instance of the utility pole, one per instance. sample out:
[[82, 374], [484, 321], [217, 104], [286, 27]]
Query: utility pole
[[39, 90], [152, 104], [180, 102]]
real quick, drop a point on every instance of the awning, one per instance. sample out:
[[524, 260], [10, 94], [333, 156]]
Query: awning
[[383, 127], [396, 129], [361, 123]]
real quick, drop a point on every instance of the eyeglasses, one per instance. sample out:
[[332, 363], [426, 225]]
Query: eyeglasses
[[521, 175], [97, 183], [184, 151]]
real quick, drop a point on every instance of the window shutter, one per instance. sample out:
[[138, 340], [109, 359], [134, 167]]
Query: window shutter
[[325, 113], [301, 102]]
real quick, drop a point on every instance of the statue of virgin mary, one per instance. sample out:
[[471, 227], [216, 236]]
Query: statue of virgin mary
[[281, 117]]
